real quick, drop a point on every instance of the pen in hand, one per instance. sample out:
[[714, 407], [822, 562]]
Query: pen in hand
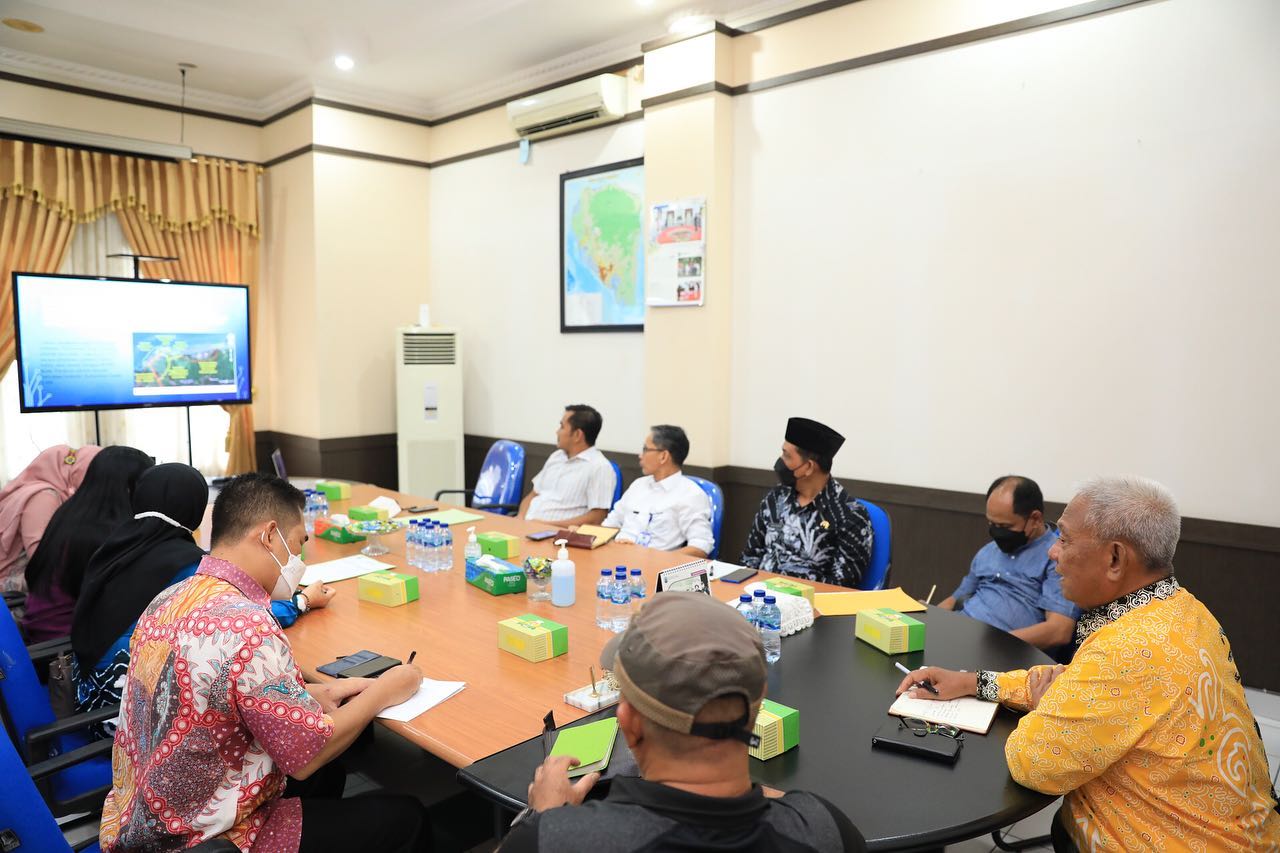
[[413, 654], [927, 685]]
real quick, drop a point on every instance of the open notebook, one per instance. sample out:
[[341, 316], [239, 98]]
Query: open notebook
[[967, 713]]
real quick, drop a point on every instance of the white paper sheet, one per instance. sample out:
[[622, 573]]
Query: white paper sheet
[[341, 569], [429, 695], [389, 504]]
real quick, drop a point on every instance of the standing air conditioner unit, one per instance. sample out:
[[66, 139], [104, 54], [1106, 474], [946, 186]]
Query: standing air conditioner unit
[[595, 100], [428, 409]]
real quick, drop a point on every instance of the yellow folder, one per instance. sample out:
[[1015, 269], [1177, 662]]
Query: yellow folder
[[849, 603]]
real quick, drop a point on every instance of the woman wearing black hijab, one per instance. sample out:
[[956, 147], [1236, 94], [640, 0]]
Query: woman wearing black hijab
[[140, 559]]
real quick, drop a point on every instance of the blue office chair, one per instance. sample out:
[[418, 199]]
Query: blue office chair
[[716, 496], [27, 825], [81, 774], [877, 574], [617, 483], [500, 482]]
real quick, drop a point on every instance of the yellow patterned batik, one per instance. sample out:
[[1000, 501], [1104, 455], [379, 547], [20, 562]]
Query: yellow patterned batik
[[1148, 733]]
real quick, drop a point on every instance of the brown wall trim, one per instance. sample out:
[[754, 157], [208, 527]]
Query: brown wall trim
[[981, 34], [369, 111], [125, 99], [667, 41], [609, 69], [692, 91], [511, 146], [793, 15], [344, 152]]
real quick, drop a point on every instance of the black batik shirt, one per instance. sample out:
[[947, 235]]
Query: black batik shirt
[[829, 540]]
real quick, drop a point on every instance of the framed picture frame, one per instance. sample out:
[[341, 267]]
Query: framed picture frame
[[602, 248]]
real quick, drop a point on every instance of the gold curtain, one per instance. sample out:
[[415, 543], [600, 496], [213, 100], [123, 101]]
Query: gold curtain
[[32, 239], [204, 211]]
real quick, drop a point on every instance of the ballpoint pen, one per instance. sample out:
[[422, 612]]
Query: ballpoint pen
[[413, 654], [922, 683]]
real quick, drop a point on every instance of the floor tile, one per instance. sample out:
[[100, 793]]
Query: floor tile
[[973, 845], [1036, 825]]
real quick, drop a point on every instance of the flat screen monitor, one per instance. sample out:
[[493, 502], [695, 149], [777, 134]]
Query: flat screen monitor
[[113, 343]]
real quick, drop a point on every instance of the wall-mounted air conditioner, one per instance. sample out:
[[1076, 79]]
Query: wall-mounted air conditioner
[[428, 410], [596, 100]]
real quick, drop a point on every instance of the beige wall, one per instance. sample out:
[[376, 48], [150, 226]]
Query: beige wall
[[205, 136], [1052, 250], [371, 254]]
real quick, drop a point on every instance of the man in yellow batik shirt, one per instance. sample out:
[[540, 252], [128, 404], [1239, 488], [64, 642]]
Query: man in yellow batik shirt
[[1146, 731]]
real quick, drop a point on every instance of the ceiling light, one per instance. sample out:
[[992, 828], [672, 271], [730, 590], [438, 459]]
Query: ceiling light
[[691, 23], [22, 26], [344, 62]]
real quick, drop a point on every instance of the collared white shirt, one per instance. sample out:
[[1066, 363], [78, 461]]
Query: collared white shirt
[[569, 487], [666, 514]]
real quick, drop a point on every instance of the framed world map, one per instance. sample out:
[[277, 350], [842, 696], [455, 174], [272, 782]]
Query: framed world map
[[602, 248]]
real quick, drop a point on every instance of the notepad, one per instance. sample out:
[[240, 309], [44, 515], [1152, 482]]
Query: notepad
[[332, 571], [430, 694], [967, 713], [849, 603], [591, 744], [448, 516]]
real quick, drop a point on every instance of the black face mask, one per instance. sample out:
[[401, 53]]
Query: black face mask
[[1007, 540], [786, 476]]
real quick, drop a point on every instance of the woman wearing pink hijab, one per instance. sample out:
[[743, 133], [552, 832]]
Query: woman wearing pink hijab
[[29, 501]]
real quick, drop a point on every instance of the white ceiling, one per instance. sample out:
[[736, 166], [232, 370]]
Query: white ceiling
[[426, 58]]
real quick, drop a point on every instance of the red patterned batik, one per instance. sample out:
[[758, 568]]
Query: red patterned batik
[[214, 714]]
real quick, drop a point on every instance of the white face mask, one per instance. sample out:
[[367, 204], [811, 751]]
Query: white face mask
[[291, 573]]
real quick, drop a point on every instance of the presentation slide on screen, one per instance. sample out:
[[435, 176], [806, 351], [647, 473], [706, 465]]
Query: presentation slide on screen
[[92, 343]]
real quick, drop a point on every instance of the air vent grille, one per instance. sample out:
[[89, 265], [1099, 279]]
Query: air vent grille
[[576, 118], [430, 348]]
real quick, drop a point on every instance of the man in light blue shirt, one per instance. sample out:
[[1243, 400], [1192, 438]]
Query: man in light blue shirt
[[1012, 584]]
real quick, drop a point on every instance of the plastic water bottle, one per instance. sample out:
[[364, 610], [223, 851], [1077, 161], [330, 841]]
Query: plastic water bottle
[[771, 629], [446, 548], [621, 597], [309, 512], [747, 608], [411, 545], [322, 504], [434, 542], [604, 600], [637, 590], [756, 604]]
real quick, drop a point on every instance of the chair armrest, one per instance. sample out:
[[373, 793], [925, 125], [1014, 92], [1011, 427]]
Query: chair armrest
[[494, 507], [49, 649], [454, 492], [42, 734], [58, 763]]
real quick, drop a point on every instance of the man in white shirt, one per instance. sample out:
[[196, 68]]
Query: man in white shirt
[[664, 509], [576, 485]]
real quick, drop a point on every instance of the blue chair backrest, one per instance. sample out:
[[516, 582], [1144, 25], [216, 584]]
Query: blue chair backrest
[[877, 574], [617, 483], [25, 698], [22, 810], [501, 476], [716, 496], [27, 704]]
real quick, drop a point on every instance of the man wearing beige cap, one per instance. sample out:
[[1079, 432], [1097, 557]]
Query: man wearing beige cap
[[692, 675]]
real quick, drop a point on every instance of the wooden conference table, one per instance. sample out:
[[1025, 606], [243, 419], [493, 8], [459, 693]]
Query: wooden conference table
[[454, 628], [842, 687]]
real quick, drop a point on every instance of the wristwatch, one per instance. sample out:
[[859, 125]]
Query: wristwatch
[[301, 602]]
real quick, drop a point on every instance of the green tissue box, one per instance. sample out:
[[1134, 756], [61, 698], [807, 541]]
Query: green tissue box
[[504, 546], [508, 579], [889, 631], [778, 728], [367, 513]]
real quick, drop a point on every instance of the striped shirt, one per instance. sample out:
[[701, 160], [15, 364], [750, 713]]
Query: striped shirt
[[568, 487], [665, 514]]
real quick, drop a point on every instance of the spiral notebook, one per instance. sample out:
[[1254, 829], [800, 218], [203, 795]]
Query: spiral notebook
[[967, 713]]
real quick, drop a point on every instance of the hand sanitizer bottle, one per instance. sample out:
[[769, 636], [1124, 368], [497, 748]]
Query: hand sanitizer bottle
[[471, 553], [563, 592]]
